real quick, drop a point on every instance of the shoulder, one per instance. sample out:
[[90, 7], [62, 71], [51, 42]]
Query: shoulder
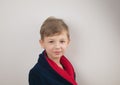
[[34, 78], [35, 68]]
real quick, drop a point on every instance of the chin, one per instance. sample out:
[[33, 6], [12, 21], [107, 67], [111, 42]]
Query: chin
[[58, 56]]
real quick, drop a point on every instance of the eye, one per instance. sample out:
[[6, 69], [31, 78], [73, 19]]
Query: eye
[[62, 41], [51, 41]]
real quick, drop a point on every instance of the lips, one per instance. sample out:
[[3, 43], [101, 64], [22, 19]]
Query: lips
[[57, 52]]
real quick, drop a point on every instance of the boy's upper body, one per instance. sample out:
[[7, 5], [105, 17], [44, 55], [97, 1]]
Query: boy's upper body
[[52, 67]]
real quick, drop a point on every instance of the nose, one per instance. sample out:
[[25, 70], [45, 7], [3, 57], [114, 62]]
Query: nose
[[57, 45]]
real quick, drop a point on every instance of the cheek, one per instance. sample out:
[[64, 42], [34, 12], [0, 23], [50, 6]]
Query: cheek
[[64, 46], [49, 47]]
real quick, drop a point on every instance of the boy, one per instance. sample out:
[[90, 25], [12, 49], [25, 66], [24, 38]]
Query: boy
[[53, 68]]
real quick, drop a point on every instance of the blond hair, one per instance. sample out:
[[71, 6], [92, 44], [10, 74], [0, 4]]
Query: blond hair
[[52, 26]]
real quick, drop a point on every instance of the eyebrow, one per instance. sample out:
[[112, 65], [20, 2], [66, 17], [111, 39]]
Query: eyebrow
[[50, 39]]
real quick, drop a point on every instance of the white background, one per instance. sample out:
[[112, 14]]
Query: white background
[[95, 38]]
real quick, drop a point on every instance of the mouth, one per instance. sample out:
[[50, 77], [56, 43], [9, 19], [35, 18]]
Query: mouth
[[57, 52]]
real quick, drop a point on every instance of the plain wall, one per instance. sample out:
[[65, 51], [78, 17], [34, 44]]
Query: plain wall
[[95, 38]]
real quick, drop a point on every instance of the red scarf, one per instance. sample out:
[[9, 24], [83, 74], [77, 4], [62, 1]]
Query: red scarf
[[68, 71]]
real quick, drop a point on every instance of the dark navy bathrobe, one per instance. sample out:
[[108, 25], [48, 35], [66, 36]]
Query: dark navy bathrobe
[[43, 74]]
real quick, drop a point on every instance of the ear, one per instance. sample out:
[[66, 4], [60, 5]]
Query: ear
[[68, 42], [41, 43]]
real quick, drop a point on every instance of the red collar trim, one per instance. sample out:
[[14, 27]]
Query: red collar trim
[[68, 71]]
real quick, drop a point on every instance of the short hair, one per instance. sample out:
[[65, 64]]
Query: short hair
[[53, 26]]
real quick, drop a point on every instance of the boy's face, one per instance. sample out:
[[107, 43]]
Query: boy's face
[[56, 45]]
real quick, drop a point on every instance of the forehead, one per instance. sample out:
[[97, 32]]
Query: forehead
[[62, 35]]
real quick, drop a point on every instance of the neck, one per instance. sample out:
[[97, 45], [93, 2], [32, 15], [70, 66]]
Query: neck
[[57, 61]]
